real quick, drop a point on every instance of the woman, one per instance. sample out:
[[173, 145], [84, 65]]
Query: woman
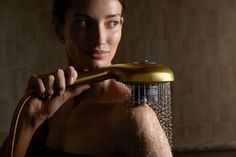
[[92, 119]]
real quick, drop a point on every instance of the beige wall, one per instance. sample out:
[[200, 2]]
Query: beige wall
[[27, 45], [196, 38]]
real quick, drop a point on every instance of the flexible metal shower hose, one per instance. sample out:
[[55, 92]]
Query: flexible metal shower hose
[[15, 122]]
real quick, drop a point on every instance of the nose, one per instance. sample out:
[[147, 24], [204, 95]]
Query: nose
[[98, 35]]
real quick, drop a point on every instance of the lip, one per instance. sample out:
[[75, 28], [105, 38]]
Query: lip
[[97, 54]]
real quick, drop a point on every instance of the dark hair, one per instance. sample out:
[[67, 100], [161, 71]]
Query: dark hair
[[60, 8]]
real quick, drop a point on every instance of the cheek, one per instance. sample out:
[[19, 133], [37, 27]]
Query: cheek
[[74, 43], [115, 39], [77, 36]]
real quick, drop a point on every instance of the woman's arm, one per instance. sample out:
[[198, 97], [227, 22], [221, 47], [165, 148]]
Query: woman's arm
[[27, 133], [23, 138], [52, 94], [146, 136]]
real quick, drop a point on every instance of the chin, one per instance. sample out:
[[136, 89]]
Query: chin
[[98, 64]]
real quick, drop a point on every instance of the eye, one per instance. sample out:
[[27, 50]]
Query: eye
[[112, 23], [83, 23]]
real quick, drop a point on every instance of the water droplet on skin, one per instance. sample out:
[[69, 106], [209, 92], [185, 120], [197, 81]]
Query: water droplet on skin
[[158, 97]]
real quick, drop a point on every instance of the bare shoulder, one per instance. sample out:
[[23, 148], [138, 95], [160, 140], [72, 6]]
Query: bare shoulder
[[143, 115], [146, 136], [144, 121]]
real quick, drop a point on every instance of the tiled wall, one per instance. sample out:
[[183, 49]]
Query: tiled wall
[[206, 82], [196, 38], [27, 45]]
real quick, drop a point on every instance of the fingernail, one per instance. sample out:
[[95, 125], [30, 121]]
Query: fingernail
[[71, 80]]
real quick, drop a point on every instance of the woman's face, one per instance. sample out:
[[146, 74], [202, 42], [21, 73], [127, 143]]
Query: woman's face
[[92, 32]]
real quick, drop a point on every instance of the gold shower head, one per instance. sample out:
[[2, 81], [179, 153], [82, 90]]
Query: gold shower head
[[129, 72]]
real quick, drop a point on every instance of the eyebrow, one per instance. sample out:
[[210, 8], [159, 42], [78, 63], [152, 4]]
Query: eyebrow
[[112, 15], [89, 17], [82, 15]]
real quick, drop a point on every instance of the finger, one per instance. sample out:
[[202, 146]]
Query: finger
[[49, 86], [60, 81], [36, 83], [71, 75]]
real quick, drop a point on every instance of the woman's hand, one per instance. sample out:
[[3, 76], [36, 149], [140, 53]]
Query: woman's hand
[[52, 93]]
